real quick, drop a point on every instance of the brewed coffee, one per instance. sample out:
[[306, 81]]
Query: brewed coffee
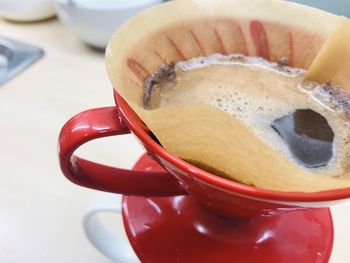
[[301, 119]]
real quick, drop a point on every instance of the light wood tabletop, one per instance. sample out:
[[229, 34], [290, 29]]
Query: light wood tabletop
[[40, 211]]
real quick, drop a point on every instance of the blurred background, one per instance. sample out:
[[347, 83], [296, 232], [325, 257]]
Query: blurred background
[[339, 7], [51, 67]]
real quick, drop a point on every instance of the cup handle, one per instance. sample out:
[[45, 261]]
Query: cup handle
[[115, 248], [98, 123]]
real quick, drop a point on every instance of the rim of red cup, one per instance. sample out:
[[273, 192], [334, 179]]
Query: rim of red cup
[[135, 124]]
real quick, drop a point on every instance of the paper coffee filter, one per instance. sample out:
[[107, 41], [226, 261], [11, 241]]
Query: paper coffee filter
[[332, 63], [202, 134]]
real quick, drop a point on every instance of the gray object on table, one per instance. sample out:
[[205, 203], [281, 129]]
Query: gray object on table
[[15, 57]]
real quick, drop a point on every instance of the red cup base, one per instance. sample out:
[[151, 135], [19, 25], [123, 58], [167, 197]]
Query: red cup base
[[177, 229]]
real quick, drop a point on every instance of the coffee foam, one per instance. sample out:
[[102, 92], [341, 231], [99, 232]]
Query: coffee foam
[[256, 92], [238, 59]]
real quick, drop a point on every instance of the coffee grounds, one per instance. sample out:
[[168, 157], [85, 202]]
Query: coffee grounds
[[164, 74], [338, 96], [283, 62]]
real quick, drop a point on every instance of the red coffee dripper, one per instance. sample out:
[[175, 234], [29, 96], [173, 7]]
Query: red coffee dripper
[[173, 210]]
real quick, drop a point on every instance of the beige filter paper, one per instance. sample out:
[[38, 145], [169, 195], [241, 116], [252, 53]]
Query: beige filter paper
[[202, 134], [333, 61]]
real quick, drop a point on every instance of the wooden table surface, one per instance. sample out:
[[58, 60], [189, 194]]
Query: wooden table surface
[[40, 211]]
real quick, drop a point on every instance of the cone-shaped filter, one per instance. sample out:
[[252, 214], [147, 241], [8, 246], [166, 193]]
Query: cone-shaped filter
[[185, 29]]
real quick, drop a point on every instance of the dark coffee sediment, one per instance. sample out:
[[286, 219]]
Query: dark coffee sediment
[[308, 137], [164, 74], [305, 121]]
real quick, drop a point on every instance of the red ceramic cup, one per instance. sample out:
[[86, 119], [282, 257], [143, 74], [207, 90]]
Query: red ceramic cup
[[220, 195]]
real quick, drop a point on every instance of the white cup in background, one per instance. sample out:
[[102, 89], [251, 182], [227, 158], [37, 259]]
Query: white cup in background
[[100, 236], [27, 10], [94, 21]]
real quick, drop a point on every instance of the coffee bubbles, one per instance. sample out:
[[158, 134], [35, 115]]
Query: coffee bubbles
[[305, 121]]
